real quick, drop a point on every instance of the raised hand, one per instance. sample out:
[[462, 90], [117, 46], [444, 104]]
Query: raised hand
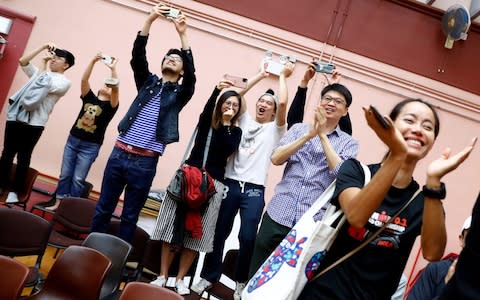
[[180, 23], [390, 136], [448, 162], [224, 83]]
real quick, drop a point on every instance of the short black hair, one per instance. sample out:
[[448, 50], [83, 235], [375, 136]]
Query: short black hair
[[340, 88], [69, 58]]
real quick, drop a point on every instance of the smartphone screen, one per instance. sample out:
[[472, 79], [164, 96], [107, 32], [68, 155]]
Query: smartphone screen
[[379, 117], [237, 81]]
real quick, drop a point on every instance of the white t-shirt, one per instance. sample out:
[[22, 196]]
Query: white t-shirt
[[250, 163]]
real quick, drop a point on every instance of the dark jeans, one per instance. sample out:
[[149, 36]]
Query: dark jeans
[[131, 172], [20, 140], [250, 201], [269, 236]]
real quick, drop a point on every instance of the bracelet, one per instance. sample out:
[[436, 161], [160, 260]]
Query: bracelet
[[440, 193]]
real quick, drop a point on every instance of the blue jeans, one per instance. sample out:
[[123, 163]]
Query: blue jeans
[[131, 172], [249, 199], [78, 157]]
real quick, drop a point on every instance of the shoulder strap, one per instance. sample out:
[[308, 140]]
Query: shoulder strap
[[368, 240]]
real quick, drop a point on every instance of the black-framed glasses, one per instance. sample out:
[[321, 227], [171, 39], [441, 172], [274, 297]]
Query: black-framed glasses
[[336, 101]]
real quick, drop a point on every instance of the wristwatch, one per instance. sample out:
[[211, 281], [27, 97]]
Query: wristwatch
[[439, 193]]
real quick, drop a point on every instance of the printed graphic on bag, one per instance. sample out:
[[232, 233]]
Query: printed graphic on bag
[[314, 263], [288, 251]]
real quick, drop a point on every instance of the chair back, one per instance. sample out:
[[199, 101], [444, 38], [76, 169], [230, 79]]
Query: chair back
[[77, 274], [87, 189], [229, 263], [13, 275], [72, 221], [141, 290], [26, 191], [139, 244], [117, 251], [24, 234]]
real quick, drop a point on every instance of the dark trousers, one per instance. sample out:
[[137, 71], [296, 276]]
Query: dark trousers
[[269, 237], [131, 172], [20, 140], [249, 199]]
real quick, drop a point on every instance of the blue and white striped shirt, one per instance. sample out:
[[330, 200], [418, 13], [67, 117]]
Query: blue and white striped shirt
[[306, 174], [142, 132]]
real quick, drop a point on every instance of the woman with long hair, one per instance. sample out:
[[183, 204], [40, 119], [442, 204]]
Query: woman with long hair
[[374, 271], [221, 117]]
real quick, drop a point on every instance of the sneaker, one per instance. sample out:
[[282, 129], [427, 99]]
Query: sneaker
[[160, 281], [181, 288], [201, 286], [237, 295], [12, 198]]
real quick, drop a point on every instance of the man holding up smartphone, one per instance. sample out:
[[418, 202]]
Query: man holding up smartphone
[[29, 110], [150, 124], [245, 176]]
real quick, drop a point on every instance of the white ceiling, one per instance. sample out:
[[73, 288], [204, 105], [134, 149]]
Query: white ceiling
[[472, 5]]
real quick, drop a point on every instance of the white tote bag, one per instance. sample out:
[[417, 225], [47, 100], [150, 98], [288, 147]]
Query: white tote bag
[[286, 271]]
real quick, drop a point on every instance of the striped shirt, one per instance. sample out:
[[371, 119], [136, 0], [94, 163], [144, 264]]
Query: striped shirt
[[306, 174], [142, 132]]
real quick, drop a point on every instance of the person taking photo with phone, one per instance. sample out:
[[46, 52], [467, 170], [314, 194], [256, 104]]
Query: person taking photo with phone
[[246, 174], [220, 116], [29, 109], [150, 124], [87, 133]]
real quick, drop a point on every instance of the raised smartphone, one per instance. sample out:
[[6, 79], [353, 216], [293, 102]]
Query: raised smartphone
[[324, 67], [237, 81], [173, 13], [107, 59], [274, 67], [379, 117]]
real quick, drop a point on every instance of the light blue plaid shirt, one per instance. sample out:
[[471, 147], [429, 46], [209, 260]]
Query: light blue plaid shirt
[[306, 174]]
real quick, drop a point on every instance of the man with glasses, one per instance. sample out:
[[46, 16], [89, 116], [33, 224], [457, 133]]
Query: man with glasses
[[314, 154], [150, 124], [29, 110]]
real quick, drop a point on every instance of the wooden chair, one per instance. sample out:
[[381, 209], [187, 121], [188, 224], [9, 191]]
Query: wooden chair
[[78, 274], [117, 250], [13, 275], [24, 234], [71, 222], [146, 291], [24, 194]]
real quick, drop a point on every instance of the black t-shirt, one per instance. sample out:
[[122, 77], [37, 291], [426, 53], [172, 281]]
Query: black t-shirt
[[93, 119], [374, 272]]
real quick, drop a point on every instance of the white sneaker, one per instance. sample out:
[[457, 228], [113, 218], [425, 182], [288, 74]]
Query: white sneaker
[[181, 288], [237, 295], [160, 281], [12, 198], [201, 286]]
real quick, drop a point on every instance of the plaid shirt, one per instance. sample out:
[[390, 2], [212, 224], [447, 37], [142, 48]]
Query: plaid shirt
[[306, 174]]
